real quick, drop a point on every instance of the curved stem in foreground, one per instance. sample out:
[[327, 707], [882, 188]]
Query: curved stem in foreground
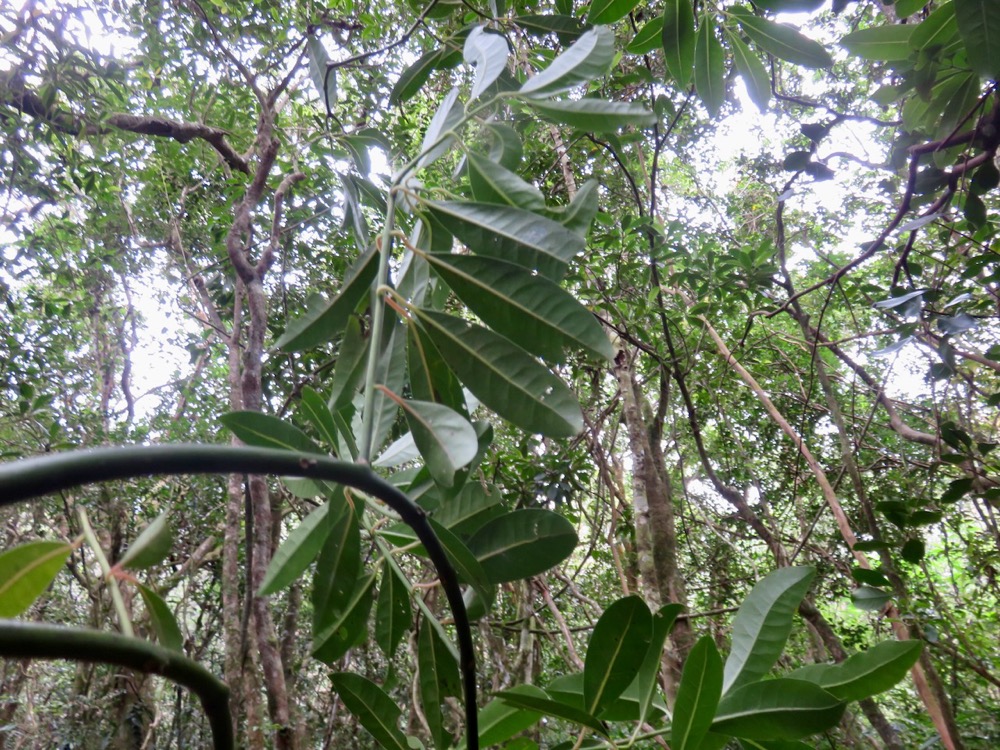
[[32, 477]]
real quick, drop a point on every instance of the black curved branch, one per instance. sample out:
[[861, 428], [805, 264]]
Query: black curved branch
[[32, 477]]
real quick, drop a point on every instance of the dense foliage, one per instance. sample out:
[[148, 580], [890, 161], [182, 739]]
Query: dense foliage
[[660, 341]]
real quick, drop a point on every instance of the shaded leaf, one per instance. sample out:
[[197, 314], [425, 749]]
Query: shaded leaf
[[503, 376], [648, 38], [393, 614], [869, 599], [616, 650], [866, 674], [589, 57], [697, 695], [448, 116], [663, 621], [444, 437], [347, 626], [979, 25], [377, 712], [255, 428], [26, 571], [594, 115], [162, 619], [339, 562], [782, 41], [553, 708], [492, 183], [151, 546], [709, 66], [763, 623], [438, 677], [499, 720], [889, 42], [488, 51], [679, 40], [532, 310], [609, 11], [324, 79], [567, 28], [522, 543], [779, 709], [751, 69], [467, 566], [297, 551]]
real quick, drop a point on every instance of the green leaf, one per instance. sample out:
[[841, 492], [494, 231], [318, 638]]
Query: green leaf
[[444, 437], [531, 310], [415, 76], [297, 551], [449, 114], [550, 707], [588, 58], [255, 428], [763, 624], [752, 71], [393, 614], [866, 674], [789, 6], [594, 115], [347, 626], [709, 67], [499, 720], [697, 696], [492, 183], [567, 28], [779, 709], [151, 546], [679, 40], [522, 543], [646, 679], [979, 25], [323, 79], [390, 372], [438, 678], [326, 320], [609, 11], [937, 30], [430, 378], [488, 51], [503, 376], [648, 38], [162, 619], [869, 599], [913, 551], [891, 42], [580, 213], [467, 566], [615, 652], [26, 571], [511, 234], [313, 408], [470, 509], [782, 41], [377, 712], [339, 562]]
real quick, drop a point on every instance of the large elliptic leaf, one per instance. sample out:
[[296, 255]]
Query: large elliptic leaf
[[522, 544], [347, 626], [789, 6], [430, 378], [763, 624], [339, 562], [470, 509], [869, 598], [780, 709], [297, 551], [414, 77], [511, 234], [466, 565], [503, 376], [782, 41], [531, 310], [499, 720], [697, 696], [315, 410], [436, 144], [26, 571], [393, 614], [890, 42], [377, 712], [580, 213], [323, 78], [646, 679], [162, 619], [615, 652], [493, 183], [488, 51], [594, 115], [326, 320], [567, 28], [752, 71], [554, 708], [151, 546], [568, 689], [609, 11], [350, 367], [866, 674], [589, 57], [709, 66], [506, 148], [390, 372], [446, 439], [255, 428], [979, 25], [937, 30], [438, 679], [679, 40]]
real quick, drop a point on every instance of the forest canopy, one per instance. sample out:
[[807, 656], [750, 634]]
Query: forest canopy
[[498, 373]]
